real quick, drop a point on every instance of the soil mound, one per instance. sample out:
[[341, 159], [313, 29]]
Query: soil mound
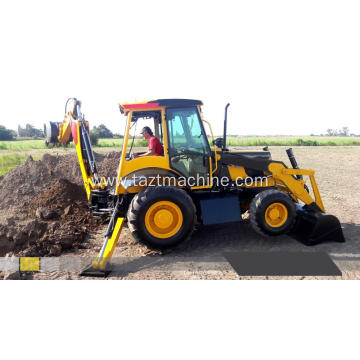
[[61, 221], [52, 213], [29, 179], [58, 196]]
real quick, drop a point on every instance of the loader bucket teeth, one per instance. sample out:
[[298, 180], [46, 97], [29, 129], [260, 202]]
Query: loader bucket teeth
[[314, 228]]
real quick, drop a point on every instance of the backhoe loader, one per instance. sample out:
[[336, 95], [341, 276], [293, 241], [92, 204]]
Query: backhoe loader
[[163, 198]]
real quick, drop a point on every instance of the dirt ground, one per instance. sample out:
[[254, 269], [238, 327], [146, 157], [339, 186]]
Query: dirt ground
[[201, 257]]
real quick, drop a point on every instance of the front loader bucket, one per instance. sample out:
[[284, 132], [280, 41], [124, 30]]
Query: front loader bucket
[[313, 228]]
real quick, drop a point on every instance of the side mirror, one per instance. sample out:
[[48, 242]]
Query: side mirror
[[219, 142]]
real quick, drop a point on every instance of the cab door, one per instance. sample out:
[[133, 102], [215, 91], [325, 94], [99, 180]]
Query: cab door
[[189, 149]]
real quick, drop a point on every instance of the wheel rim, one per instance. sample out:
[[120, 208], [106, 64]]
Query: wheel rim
[[163, 219], [276, 214]]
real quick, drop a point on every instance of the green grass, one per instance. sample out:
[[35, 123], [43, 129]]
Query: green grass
[[293, 141], [119, 143], [19, 145], [8, 162], [260, 141]]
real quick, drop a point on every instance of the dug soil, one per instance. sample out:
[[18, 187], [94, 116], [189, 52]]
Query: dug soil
[[44, 208]]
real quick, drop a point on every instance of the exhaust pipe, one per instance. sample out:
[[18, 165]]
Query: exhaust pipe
[[225, 125], [293, 161]]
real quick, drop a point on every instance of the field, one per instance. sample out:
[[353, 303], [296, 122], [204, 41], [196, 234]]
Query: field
[[13, 153], [7, 162], [20, 145], [264, 141], [200, 257]]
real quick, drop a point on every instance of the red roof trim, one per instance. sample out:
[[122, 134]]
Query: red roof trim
[[140, 106]]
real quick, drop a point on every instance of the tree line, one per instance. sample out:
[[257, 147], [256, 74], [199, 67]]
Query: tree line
[[344, 131], [29, 131], [102, 132]]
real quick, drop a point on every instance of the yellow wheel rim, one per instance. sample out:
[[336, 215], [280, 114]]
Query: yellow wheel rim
[[163, 219], [276, 215]]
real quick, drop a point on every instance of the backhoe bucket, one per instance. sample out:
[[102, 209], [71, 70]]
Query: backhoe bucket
[[313, 228]]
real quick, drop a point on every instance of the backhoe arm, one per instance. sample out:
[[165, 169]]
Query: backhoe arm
[[75, 128]]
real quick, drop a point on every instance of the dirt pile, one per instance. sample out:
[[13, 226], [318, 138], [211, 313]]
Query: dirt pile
[[49, 200], [60, 221], [29, 179], [59, 196]]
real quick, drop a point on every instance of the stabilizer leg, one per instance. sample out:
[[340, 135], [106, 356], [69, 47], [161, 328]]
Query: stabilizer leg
[[100, 267]]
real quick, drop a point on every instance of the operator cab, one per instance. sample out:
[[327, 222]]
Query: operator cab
[[177, 123], [189, 149]]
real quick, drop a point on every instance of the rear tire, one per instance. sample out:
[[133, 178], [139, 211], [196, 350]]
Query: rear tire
[[161, 217], [272, 213]]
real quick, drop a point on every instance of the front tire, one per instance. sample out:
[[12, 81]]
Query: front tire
[[272, 213], [161, 216]]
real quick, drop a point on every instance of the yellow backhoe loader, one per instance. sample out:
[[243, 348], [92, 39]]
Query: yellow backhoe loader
[[162, 198]]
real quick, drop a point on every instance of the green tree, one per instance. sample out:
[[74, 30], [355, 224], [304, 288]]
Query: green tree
[[6, 134], [344, 131], [94, 136], [21, 131], [103, 131], [30, 131]]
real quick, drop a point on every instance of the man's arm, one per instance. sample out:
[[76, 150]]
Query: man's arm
[[151, 150], [148, 153]]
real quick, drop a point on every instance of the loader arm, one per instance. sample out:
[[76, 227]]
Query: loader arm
[[297, 186]]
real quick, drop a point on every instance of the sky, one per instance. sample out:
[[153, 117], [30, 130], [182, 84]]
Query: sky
[[286, 67]]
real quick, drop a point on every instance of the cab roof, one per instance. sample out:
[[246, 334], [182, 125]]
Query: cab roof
[[158, 103]]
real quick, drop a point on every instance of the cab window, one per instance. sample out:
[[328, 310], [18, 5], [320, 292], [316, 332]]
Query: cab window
[[188, 145]]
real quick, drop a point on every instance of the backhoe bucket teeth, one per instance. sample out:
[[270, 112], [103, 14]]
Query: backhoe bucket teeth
[[313, 228]]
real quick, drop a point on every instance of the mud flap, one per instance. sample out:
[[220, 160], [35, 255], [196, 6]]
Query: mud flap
[[312, 228]]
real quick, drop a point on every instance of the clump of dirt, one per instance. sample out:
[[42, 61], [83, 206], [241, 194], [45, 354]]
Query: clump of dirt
[[29, 179], [60, 222], [108, 164], [60, 195], [50, 203]]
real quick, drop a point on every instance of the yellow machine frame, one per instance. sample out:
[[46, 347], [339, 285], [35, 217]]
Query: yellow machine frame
[[279, 176]]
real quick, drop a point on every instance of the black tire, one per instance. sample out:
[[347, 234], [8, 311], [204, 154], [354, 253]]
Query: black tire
[[260, 204], [149, 196]]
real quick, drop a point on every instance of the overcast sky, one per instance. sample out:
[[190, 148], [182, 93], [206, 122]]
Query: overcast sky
[[286, 67]]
